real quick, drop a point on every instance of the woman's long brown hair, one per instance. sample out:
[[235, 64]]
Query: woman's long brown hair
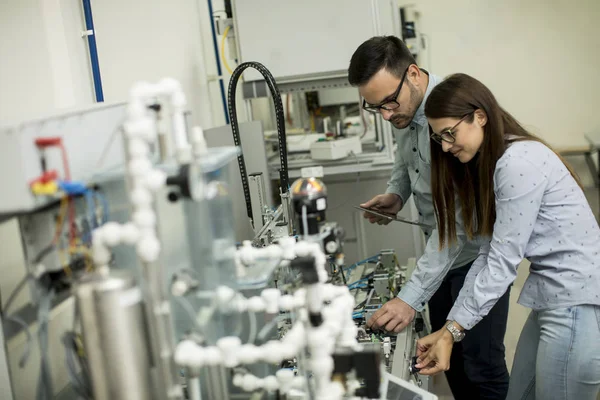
[[472, 183]]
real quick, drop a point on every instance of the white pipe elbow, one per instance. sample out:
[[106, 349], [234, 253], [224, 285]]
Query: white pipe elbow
[[271, 299], [229, 347], [189, 354], [148, 248]]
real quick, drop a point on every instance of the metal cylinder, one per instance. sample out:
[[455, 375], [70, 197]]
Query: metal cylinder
[[114, 336]]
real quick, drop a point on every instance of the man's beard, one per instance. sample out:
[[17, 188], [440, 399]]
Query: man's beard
[[401, 121]]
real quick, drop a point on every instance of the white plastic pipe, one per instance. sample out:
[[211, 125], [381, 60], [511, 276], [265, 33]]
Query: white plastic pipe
[[194, 388]]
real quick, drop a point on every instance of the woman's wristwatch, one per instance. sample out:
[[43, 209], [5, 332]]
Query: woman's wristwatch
[[457, 334]]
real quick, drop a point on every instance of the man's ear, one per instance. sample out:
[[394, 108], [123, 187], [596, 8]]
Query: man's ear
[[481, 117], [413, 74]]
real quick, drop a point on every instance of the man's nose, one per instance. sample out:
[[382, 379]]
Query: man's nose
[[386, 114], [446, 146]]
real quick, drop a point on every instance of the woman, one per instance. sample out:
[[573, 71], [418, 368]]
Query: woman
[[515, 190]]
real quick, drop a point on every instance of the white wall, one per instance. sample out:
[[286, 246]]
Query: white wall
[[152, 39], [45, 63], [44, 59], [539, 57]]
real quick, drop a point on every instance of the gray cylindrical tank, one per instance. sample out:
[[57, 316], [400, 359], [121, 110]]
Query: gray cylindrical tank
[[114, 335]]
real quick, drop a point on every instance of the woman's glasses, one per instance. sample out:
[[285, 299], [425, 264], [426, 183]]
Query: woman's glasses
[[448, 135]]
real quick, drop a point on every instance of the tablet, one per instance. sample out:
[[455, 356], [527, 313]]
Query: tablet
[[391, 217]]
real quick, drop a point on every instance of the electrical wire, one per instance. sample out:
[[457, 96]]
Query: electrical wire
[[64, 203], [15, 292], [357, 315], [361, 304], [23, 324], [343, 275], [91, 210], [365, 261], [80, 384], [45, 387], [105, 206], [358, 281], [361, 283], [67, 172], [17, 320], [223, 58]]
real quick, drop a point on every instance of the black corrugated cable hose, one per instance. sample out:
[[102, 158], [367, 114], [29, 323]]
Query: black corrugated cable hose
[[280, 119]]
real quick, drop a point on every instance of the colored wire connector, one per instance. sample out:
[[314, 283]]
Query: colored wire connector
[[42, 144]]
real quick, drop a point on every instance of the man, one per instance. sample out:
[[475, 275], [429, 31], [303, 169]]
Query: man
[[392, 84]]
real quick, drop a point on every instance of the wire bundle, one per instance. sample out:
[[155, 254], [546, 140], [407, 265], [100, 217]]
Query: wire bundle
[[365, 261], [361, 283]]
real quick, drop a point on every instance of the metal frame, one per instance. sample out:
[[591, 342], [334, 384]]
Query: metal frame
[[298, 83]]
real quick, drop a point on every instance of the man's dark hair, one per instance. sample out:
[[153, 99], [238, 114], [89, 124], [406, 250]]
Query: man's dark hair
[[379, 52]]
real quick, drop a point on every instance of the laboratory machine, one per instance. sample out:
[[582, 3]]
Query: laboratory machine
[[135, 286]]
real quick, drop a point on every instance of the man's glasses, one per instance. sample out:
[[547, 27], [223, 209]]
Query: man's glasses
[[388, 105], [448, 135]]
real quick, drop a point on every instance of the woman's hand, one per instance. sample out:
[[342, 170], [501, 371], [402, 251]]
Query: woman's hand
[[433, 352]]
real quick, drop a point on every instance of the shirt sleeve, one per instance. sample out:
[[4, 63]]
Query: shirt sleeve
[[519, 187], [399, 183], [430, 271], [457, 311]]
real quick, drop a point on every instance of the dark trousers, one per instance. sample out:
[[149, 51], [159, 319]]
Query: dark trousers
[[477, 365]]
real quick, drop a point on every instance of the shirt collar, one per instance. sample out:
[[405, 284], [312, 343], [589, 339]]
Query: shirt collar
[[420, 117]]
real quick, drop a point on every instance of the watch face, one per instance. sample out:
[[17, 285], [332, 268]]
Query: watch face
[[456, 334]]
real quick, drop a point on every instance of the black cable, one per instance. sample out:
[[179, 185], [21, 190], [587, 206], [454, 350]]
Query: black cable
[[343, 275], [360, 305], [280, 118]]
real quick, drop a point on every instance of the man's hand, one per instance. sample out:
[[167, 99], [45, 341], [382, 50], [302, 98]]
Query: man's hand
[[434, 351], [389, 203], [393, 316]]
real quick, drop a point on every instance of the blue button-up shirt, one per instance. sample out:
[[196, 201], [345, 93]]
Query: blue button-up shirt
[[411, 175], [541, 215]]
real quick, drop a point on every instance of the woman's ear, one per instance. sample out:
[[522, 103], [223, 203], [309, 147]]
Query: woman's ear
[[481, 117]]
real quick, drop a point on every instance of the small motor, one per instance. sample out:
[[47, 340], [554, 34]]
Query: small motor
[[333, 238], [309, 199]]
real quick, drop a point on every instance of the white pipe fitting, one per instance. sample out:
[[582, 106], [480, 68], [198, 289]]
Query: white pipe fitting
[[284, 379], [271, 297], [229, 347], [256, 304]]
